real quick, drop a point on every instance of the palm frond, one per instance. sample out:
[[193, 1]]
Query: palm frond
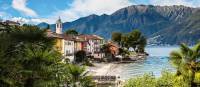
[[176, 58], [185, 50], [196, 50]]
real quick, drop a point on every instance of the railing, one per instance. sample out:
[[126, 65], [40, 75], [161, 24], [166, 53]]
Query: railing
[[107, 81], [69, 54], [105, 78]]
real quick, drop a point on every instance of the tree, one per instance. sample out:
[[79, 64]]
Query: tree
[[141, 45], [106, 49], [134, 37], [71, 32], [116, 37], [80, 56], [40, 67], [32, 59], [186, 61], [125, 41], [78, 79]]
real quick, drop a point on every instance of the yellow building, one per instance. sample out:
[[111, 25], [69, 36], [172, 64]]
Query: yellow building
[[59, 40], [60, 45]]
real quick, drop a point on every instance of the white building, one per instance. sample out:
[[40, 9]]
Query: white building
[[59, 26], [93, 45], [69, 49], [68, 43]]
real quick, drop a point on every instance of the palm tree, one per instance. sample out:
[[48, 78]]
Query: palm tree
[[186, 61], [78, 79], [32, 60], [38, 66]]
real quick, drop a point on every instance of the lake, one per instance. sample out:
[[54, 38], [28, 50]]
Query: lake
[[156, 62]]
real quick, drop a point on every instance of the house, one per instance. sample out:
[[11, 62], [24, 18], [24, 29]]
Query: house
[[68, 45], [81, 44], [59, 46], [7, 22], [93, 45], [114, 48], [11, 23]]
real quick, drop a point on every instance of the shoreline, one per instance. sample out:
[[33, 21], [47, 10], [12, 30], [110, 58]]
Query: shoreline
[[108, 68], [101, 68]]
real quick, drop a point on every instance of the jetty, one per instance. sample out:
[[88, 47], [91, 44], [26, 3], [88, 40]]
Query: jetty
[[107, 81], [103, 76]]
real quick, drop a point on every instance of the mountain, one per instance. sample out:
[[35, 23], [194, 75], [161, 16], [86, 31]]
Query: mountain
[[43, 25], [185, 32], [168, 24]]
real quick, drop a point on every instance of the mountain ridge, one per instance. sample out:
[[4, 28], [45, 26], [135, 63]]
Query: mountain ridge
[[149, 19]]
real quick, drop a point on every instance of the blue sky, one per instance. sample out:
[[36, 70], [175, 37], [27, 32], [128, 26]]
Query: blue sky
[[36, 11]]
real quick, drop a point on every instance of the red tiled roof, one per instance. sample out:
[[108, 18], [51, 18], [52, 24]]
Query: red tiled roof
[[113, 44], [53, 34], [81, 38], [11, 22], [69, 37], [90, 37]]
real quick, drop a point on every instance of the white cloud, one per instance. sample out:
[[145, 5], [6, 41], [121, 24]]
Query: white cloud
[[22, 20], [20, 5], [28, 20], [81, 8], [190, 3]]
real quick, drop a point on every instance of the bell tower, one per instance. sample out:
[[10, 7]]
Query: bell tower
[[59, 26]]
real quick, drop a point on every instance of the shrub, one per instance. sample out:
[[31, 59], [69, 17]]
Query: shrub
[[80, 56], [167, 79], [146, 80]]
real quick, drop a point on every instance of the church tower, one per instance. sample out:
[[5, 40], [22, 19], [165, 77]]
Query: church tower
[[59, 26]]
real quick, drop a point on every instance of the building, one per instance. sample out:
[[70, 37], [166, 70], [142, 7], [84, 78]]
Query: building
[[59, 26], [81, 44], [114, 48], [11, 23], [93, 45], [59, 46], [68, 45]]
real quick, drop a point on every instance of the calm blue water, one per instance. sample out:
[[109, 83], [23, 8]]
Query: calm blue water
[[157, 61]]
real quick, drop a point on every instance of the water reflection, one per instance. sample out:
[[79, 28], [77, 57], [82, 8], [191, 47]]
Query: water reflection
[[155, 63]]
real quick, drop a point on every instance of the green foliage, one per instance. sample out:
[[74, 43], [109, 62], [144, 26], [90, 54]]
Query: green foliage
[[71, 32], [134, 40], [29, 60], [124, 52], [137, 41], [80, 56], [125, 41], [186, 61], [167, 79], [147, 80], [88, 63], [116, 37], [78, 79]]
